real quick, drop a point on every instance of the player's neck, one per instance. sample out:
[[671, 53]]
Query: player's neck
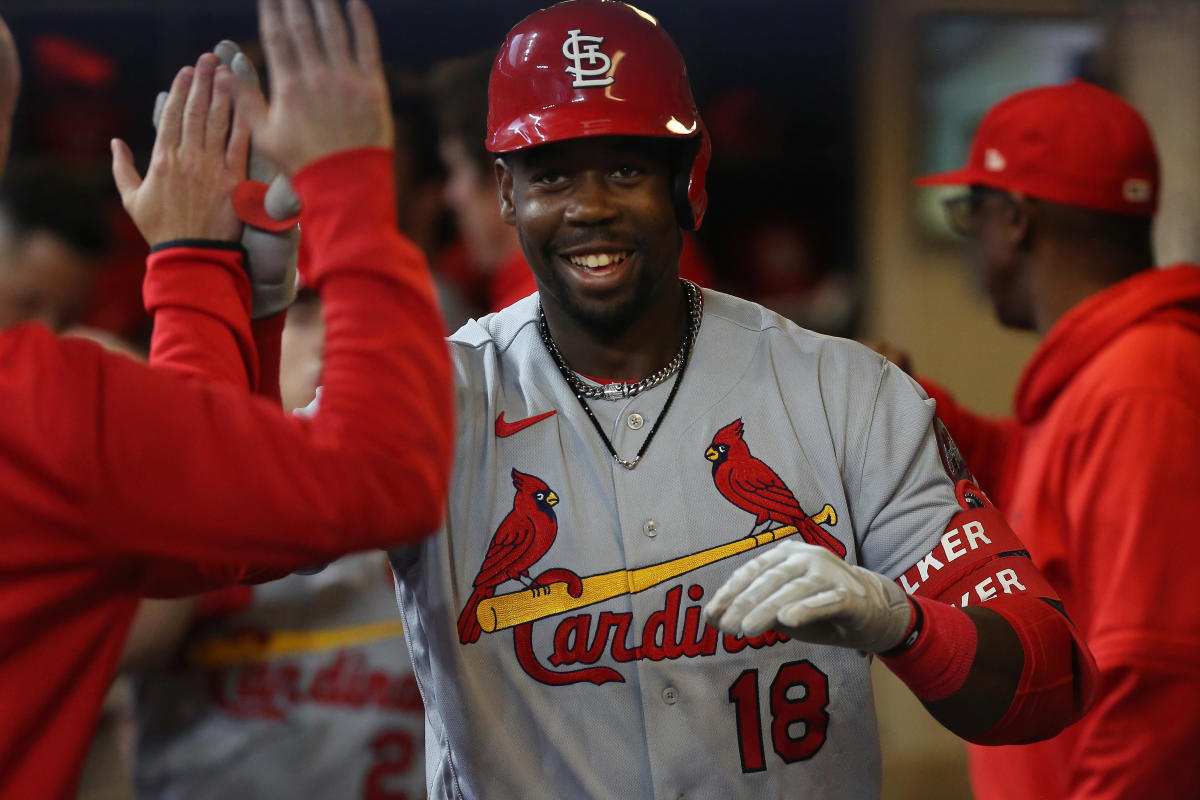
[[644, 347]]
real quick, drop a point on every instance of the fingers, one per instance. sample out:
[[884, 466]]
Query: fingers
[[281, 201], [816, 607], [170, 123], [248, 102], [226, 50], [742, 577], [125, 174], [237, 149], [785, 582], [244, 69], [300, 29], [160, 102], [195, 111], [277, 45], [333, 31], [366, 38], [216, 132]]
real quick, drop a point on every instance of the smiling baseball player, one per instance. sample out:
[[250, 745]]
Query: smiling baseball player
[[627, 440]]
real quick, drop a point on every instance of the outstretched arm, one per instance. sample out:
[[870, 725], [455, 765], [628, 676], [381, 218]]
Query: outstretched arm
[[181, 474]]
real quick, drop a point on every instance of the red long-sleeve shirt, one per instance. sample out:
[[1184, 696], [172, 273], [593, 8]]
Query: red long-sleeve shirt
[[118, 480], [1097, 474]]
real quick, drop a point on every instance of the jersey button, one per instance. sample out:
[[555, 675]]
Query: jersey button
[[636, 421], [650, 528], [670, 695]]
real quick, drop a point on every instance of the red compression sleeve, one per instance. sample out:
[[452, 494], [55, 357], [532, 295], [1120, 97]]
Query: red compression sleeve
[[979, 560]]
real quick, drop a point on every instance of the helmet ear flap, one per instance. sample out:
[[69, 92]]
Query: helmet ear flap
[[681, 182], [687, 187]]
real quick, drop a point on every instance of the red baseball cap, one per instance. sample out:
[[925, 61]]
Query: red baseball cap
[[1074, 144]]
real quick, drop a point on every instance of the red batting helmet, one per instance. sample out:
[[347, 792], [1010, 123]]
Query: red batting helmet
[[597, 68]]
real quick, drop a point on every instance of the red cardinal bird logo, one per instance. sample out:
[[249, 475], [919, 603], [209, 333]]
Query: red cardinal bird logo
[[524, 536], [753, 486]]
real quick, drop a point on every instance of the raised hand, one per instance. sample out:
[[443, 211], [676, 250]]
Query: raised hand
[[199, 157], [10, 87], [327, 94], [812, 595], [271, 250]]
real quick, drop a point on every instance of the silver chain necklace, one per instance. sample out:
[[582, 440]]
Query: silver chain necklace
[[618, 390], [678, 364]]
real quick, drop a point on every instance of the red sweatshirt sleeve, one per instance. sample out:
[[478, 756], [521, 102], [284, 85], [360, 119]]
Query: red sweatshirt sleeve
[[196, 473], [201, 312], [1131, 475], [268, 339], [986, 444]]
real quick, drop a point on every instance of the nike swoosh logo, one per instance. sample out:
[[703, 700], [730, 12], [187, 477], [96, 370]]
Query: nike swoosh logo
[[509, 428]]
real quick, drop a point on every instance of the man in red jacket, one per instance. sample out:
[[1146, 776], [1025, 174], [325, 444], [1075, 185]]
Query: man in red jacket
[[1096, 471], [117, 480]]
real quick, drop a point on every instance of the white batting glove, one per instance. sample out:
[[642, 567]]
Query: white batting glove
[[810, 594], [270, 256]]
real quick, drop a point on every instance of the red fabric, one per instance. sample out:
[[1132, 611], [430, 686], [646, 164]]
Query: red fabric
[[116, 478], [249, 203], [268, 340], [1053, 685], [980, 561], [937, 665], [513, 280], [1074, 144], [196, 312], [1099, 486]]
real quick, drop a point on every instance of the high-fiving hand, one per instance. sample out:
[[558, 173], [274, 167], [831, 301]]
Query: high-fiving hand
[[199, 157], [327, 94], [810, 594]]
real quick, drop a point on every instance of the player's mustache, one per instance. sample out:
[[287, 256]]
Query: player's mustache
[[596, 240]]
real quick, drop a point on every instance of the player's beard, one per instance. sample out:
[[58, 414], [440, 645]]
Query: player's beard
[[602, 319]]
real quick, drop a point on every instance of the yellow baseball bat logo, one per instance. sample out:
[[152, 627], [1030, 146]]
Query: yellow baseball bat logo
[[529, 605]]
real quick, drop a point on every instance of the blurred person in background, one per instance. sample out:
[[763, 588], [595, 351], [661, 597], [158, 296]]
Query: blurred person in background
[[487, 265], [121, 481], [53, 234], [1095, 470], [300, 687]]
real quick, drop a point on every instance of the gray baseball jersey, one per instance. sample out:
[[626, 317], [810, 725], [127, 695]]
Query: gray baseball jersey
[[306, 693], [555, 624]]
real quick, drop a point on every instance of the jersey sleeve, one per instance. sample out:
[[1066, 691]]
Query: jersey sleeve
[[1126, 495], [900, 494], [195, 472]]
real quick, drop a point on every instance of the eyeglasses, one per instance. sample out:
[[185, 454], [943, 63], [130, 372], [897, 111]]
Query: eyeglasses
[[962, 211], [961, 214]]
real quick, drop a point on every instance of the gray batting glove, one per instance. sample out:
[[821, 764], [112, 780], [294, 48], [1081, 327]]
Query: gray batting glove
[[810, 594], [271, 257]]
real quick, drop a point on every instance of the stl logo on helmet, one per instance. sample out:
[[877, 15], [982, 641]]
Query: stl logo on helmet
[[579, 48]]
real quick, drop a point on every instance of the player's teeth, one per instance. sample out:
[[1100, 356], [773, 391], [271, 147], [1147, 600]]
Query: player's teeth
[[598, 260]]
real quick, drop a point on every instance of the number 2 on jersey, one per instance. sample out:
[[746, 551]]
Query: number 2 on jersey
[[799, 694]]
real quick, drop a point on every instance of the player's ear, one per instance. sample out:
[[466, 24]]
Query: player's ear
[[1022, 213], [504, 183]]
